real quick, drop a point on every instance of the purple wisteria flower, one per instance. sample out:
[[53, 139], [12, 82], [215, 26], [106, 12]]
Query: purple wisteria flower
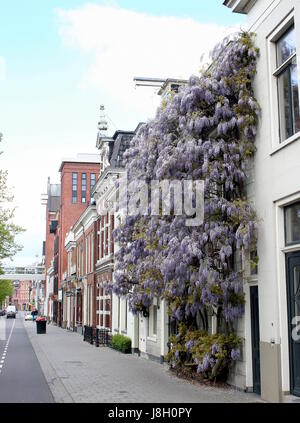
[[235, 354], [206, 131]]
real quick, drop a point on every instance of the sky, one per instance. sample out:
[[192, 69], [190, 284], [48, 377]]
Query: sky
[[59, 60]]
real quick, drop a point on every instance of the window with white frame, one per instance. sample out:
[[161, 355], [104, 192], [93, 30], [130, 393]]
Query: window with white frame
[[103, 308], [152, 321], [106, 246], [92, 253], [123, 314], [80, 258], [86, 255], [287, 84], [77, 260], [69, 263], [89, 253]]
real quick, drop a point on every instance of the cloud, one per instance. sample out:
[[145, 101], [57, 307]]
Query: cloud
[[2, 69], [121, 44]]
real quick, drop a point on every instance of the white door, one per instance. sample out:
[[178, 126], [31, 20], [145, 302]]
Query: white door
[[143, 325]]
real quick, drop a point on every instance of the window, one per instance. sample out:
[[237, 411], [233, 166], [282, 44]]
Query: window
[[123, 318], [125, 323], [119, 313], [103, 309], [92, 253], [93, 180], [154, 327], [287, 83], [105, 236], [292, 224], [89, 253], [152, 321], [254, 262], [74, 187], [86, 256], [83, 187]]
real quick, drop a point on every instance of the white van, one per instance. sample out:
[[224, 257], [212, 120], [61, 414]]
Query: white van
[[11, 311]]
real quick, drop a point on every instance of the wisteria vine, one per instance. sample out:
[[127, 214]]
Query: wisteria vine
[[205, 131]]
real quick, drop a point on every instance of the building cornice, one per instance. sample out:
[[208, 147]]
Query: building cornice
[[106, 173], [239, 6], [85, 220]]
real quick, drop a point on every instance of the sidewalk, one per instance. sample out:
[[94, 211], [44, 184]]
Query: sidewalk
[[79, 372]]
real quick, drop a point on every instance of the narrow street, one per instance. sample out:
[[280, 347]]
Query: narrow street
[[21, 377]]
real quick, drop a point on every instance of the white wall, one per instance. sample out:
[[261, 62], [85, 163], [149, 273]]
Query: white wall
[[276, 178]]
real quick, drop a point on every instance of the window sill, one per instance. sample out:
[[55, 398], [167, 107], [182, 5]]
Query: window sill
[[285, 143], [152, 338]]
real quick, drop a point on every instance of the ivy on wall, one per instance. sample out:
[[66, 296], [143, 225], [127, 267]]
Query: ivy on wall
[[206, 131]]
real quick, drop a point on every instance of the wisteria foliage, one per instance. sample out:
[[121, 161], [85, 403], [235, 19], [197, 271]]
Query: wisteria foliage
[[206, 131]]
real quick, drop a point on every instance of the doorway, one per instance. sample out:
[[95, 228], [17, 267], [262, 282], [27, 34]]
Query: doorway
[[293, 304], [255, 338]]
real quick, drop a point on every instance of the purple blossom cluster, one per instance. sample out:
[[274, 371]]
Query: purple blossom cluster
[[205, 131], [207, 363], [235, 354]]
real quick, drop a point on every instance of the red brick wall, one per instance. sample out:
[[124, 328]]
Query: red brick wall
[[70, 212]]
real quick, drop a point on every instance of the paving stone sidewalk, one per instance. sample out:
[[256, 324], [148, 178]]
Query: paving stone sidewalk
[[79, 372]]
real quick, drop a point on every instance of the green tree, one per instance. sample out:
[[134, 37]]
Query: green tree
[[6, 290], [8, 230]]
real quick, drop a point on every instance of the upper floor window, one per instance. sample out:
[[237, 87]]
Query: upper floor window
[[93, 180], [106, 243], [83, 187], [292, 224], [287, 82], [74, 187]]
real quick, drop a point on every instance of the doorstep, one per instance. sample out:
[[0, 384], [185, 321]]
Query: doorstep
[[290, 399]]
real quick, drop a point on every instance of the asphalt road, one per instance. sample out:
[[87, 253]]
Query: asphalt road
[[21, 377]]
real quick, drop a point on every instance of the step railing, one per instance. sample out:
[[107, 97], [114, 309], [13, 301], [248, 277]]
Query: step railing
[[97, 336]]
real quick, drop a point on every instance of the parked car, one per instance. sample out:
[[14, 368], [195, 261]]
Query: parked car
[[2, 312], [11, 312], [28, 316]]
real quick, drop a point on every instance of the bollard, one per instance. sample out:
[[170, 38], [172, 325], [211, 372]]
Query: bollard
[[97, 337]]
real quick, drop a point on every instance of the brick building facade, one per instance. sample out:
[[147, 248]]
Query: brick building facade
[[22, 297], [79, 286], [78, 177]]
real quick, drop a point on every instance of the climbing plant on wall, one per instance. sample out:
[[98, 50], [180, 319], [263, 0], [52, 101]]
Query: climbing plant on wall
[[206, 131]]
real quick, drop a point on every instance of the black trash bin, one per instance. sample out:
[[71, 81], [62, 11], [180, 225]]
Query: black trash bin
[[41, 326]]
